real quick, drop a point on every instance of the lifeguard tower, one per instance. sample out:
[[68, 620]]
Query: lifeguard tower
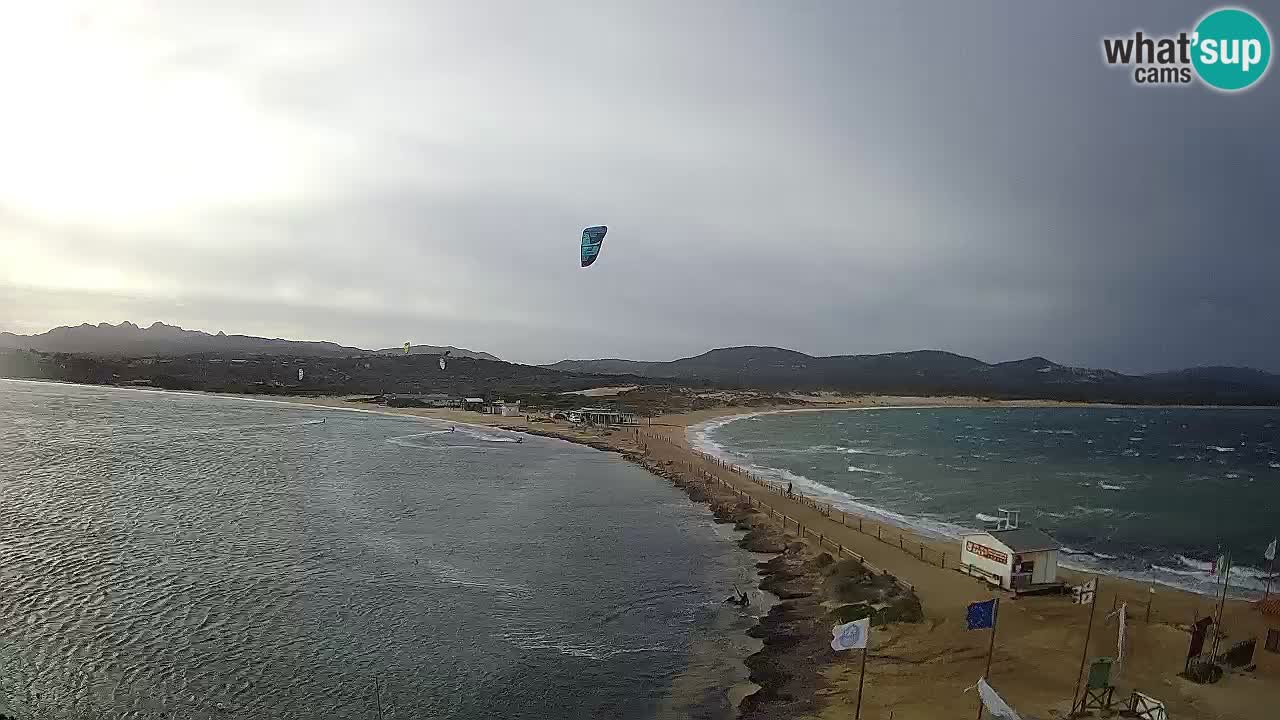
[[1021, 559]]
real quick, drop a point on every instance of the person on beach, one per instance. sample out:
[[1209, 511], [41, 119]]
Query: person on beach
[[788, 488]]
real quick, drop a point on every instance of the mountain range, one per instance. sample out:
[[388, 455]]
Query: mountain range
[[159, 339], [933, 372], [920, 372]]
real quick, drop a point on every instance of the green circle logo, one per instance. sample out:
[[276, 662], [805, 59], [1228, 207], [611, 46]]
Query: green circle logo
[[1232, 49]]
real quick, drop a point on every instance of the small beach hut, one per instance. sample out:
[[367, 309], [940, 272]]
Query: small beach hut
[[1019, 559]]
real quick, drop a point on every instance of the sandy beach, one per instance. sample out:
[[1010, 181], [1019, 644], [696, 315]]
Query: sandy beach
[[922, 670]]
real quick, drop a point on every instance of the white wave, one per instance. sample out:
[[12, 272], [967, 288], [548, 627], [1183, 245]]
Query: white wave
[[1232, 476], [1274, 465], [1200, 565], [1103, 556], [855, 468], [876, 451], [983, 517], [1219, 448], [1105, 486], [1136, 439]]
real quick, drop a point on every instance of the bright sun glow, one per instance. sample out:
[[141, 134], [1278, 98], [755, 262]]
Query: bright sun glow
[[95, 130]]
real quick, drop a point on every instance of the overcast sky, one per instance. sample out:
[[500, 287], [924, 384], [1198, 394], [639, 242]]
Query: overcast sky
[[833, 177]]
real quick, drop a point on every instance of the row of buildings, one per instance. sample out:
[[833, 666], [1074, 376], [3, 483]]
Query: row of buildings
[[588, 416]]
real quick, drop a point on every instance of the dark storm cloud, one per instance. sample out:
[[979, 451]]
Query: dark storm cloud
[[820, 176]]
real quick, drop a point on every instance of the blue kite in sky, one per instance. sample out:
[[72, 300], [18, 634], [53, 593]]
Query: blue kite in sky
[[592, 239]]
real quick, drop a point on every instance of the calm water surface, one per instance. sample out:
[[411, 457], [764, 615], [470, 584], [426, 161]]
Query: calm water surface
[[169, 555]]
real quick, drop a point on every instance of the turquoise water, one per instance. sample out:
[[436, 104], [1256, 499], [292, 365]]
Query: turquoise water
[[168, 555], [1151, 493]]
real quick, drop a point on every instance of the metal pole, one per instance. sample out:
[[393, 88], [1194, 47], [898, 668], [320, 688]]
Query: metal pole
[[1085, 652], [857, 714], [377, 693], [995, 620], [1271, 571]]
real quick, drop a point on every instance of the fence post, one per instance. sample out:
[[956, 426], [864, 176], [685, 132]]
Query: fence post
[[944, 561], [859, 524], [900, 541], [921, 551], [878, 532]]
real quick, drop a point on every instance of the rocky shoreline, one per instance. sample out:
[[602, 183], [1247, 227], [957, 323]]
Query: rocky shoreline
[[815, 591]]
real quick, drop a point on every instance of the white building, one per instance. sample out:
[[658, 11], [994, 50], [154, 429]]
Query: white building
[[1018, 559], [604, 416]]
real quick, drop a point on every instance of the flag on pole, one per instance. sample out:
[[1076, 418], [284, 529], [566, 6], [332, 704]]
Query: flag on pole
[[1122, 612], [851, 635], [1270, 554], [981, 615], [994, 703], [1219, 566], [1084, 594]]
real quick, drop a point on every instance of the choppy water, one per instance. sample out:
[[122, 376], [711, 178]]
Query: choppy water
[[168, 555], [1150, 493]]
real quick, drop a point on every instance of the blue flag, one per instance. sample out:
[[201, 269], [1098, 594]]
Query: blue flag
[[981, 615]]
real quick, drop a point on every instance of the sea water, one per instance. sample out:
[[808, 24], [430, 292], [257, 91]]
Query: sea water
[[174, 555], [1149, 493]]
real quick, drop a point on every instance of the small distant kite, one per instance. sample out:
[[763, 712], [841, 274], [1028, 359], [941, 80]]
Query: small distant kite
[[442, 357], [406, 348], [592, 239]]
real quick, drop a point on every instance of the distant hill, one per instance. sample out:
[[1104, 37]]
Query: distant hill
[[437, 350], [159, 339], [934, 372]]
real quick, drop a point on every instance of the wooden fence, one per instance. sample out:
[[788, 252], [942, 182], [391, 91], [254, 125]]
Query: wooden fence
[[707, 465]]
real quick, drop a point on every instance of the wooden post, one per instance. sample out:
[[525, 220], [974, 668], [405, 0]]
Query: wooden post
[[857, 713], [1226, 583], [995, 620], [944, 561], [921, 551], [877, 532], [1085, 652]]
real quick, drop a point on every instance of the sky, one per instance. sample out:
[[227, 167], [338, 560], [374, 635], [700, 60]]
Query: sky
[[831, 177]]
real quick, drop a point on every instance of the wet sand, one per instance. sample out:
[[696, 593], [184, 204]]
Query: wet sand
[[921, 670]]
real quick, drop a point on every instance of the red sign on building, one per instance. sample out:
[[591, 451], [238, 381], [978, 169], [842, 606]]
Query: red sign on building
[[986, 552]]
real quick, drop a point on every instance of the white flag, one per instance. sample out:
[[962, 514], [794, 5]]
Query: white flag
[[1270, 554], [995, 704], [1122, 612], [1083, 594], [1219, 567], [851, 635]]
